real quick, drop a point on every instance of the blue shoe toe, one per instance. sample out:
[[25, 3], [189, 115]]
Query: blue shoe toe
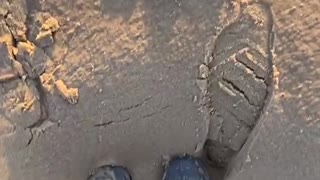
[[110, 173], [185, 168]]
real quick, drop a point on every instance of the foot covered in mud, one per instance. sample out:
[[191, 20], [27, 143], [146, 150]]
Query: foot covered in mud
[[239, 81]]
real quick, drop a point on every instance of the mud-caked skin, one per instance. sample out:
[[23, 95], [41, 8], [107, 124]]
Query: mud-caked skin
[[239, 81]]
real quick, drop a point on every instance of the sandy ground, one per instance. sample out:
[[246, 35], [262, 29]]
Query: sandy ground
[[135, 64], [286, 141]]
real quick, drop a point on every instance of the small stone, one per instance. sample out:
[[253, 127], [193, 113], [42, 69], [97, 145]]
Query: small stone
[[195, 99], [69, 94], [41, 28], [248, 160], [51, 24], [208, 59], [202, 84], [203, 71]]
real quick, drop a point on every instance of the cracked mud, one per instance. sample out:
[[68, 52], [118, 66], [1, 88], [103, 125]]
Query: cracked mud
[[25, 35]]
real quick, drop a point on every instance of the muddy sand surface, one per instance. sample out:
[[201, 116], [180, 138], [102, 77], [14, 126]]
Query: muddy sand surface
[[116, 83], [134, 64]]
